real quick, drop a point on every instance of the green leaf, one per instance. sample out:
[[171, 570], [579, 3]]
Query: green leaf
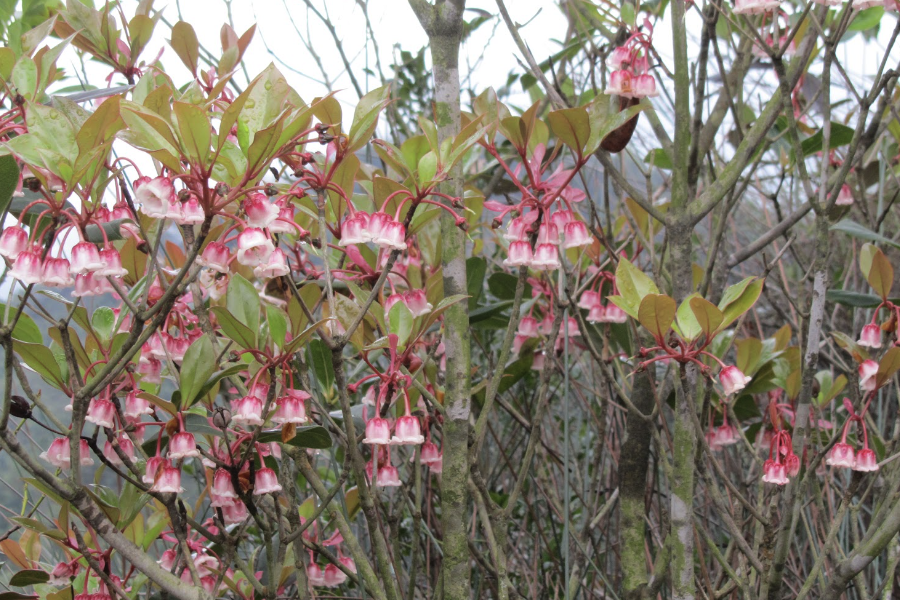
[[657, 313], [41, 359], [185, 44], [194, 132], [319, 356], [738, 299], [9, 179], [686, 324], [365, 117], [219, 376], [856, 230], [572, 126], [503, 286], [234, 329], [476, 267], [887, 366], [199, 363], [26, 329], [881, 275], [278, 324], [659, 158], [400, 322], [867, 19], [28, 577], [309, 436], [633, 284], [841, 135], [242, 301], [854, 299], [708, 315], [604, 122], [103, 322]]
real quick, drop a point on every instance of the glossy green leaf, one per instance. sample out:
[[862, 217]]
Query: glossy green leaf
[[194, 132], [198, 365], [185, 44], [657, 313], [27, 577], [633, 284], [738, 299], [242, 301], [708, 315], [319, 357], [103, 321], [572, 126], [41, 359], [365, 117], [881, 275], [9, 180], [400, 322], [854, 229], [234, 329]]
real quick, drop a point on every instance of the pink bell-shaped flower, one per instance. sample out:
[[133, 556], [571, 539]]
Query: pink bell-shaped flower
[[792, 465], [407, 431], [548, 233], [645, 86], [866, 460], [588, 299], [125, 445], [597, 314], [285, 220], [870, 336], [388, 476], [152, 468], [167, 559], [91, 284], [215, 256], [619, 58], [254, 247], [101, 413], [112, 264], [236, 513], [63, 572], [845, 195], [168, 480], [150, 369], [13, 241], [726, 435], [154, 195], [774, 472], [266, 482], [528, 327], [732, 379], [391, 301], [354, 229], [315, 575], [392, 235], [417, 303], [260, 211], [867, 371], [222, 492], [259, 390], [517, 230], [429, 454], [334, 576], [183, 445], [841, 455], [577, 235], [191, 213], [27, 268], [546, 258], [136, 406], [561, 218], [378, 431], [619, 84], [55, 272], [86, 258], [248, 411], [519, 255], [290, 410], [58, 454], [275, 266]]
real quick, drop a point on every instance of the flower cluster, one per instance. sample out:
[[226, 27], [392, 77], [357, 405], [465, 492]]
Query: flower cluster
[[843, 454], [630, 77]]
